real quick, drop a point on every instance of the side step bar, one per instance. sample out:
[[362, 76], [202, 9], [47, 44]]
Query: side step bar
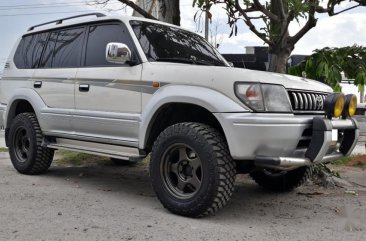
[[115, 151], [289, 163]]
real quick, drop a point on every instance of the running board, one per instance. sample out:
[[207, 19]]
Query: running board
[[115, 151]]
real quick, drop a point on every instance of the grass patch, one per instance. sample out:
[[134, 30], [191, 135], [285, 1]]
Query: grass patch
[[354, 161], [358, 161], [3, 149], [342, 161], [67, 158]]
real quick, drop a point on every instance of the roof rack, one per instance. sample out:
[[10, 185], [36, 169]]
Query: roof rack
[[59, 21]]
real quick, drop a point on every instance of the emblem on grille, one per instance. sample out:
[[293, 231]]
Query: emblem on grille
[[319, 103]]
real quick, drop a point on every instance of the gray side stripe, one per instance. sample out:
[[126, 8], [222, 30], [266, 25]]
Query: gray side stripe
[[130, 85]]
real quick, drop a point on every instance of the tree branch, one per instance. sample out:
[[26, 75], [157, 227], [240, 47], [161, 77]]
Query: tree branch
[[311, 23], [331, 5], [249, 23], [282, 9], [265, 11], [134, 7]]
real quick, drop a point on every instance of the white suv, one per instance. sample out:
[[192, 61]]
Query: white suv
[[124, 87]]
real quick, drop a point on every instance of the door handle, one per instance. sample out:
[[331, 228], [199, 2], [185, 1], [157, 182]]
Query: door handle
[[37, 84], [84, 88]]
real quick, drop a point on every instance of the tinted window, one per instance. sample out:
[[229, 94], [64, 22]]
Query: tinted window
[[46, 61], [165, 43], [99, 37], [67, 51], [29, 51]]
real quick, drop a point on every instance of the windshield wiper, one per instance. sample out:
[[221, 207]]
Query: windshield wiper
[[183, 60]]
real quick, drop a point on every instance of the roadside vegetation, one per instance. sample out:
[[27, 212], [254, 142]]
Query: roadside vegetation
[[3, 149], [352, 161], [71, 158]]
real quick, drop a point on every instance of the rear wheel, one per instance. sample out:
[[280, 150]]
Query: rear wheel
[[25, 145], [281, 180], [191, 169]]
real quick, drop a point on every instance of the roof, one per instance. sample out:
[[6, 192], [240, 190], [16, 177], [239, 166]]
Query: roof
[[86, 18]]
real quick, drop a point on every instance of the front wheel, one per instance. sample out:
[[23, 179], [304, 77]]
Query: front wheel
[[191, 169], [25, 145], [282, 181]]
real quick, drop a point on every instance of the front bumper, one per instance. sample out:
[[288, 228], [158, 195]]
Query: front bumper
[[324, 146], [272, 140]]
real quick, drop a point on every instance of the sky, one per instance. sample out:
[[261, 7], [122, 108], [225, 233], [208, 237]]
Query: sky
[[342, 30]]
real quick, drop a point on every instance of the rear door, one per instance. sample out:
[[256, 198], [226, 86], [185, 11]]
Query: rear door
[[54, 80], [108, 96]]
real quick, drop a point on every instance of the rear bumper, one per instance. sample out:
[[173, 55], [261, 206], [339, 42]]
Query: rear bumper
[[274, 139]]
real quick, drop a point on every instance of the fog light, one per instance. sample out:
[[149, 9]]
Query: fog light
[[350, 106], [333, 105]]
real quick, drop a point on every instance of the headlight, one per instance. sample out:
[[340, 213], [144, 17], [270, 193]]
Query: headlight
[[263, 97], [350, 106], [334, 104]]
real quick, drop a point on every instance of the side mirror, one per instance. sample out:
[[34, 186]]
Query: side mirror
[[118, 53]]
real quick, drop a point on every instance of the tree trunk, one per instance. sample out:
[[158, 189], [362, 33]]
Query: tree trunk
[[169, 11], [280, 50], [278, 62]]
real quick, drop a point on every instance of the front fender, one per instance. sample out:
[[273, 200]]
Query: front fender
[[210, 99]]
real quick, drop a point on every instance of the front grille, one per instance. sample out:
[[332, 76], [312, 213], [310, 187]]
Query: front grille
[[307, 102]]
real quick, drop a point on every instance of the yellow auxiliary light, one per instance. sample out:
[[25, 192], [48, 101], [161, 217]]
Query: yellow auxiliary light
[[334, 104], [350, 106]]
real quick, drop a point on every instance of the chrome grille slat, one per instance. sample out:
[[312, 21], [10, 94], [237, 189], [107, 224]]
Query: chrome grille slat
[[314, 101], [310, 101], [301, 105], [296, 101], [304, 102]]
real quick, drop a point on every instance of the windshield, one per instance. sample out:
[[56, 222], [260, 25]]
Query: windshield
[[166, 43]]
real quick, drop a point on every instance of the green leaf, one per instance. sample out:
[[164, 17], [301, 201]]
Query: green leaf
[[361, 88]]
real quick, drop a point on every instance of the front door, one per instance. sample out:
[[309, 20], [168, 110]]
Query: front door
[[107, 96]]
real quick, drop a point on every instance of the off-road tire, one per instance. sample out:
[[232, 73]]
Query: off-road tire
[[218, 169], [284, 182], [38, 158]]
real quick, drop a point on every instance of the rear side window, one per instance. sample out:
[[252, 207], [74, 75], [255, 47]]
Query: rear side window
[[46, 61], [63, 49], [98, 38], [29, 51], [68, 48]]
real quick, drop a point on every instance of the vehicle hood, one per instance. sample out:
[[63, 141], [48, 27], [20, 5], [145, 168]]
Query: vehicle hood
[[222, 79], [219, 77], [232, 75]]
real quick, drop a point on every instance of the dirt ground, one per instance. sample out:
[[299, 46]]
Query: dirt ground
[[117, 203]]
